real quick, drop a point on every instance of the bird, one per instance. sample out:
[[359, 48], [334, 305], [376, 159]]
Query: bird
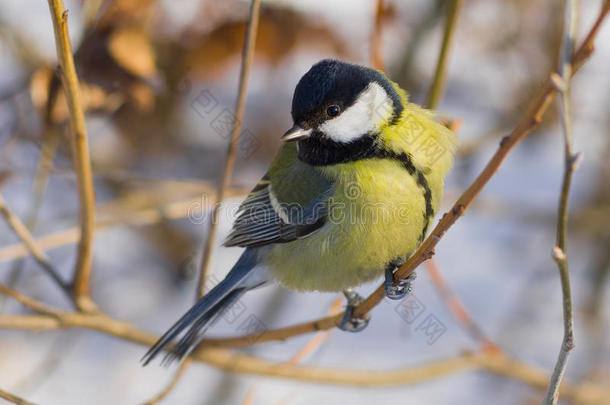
[[349, 196]]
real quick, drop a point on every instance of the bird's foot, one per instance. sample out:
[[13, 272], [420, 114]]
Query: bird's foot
[[396, 290], [350, 323]]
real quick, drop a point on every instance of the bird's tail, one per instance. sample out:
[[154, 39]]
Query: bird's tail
[[208, 309]]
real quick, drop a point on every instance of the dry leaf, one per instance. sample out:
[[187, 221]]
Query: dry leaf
[[131, 49], [39, 86]]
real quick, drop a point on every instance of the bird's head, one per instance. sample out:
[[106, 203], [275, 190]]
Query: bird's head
[[338, 109]]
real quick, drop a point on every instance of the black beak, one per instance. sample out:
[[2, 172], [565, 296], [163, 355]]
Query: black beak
[[295, 133]]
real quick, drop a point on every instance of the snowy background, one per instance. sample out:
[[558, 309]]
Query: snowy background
[[496, 258]]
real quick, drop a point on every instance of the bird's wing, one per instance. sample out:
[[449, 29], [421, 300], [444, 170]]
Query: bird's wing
[[290, 202]]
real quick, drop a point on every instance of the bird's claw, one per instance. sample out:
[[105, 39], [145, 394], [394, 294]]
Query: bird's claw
[[396, 290], [350, 323]]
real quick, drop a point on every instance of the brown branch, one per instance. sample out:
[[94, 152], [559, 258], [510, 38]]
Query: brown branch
[[246, 63], [426, 250], [563, 83], [241, 363], [440, 75], [28, 302], [316, 341], [80, 155], [376, 37], [45, 165], [171, 385], [30, 244], [457, 308], [312, 345], [13, 398], [138, 217]]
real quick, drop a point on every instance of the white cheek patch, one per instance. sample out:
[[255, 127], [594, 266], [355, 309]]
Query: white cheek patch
[[371, 108]]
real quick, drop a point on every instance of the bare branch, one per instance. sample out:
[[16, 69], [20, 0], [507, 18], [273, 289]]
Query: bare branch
[[14, 398], [241, 363], [80, 155], [171, 385], [559, 251], [246, 62], [376, 38], [426, 250], [440, 75], [30, 243], [457, 308], [138, 217], [28, 302]]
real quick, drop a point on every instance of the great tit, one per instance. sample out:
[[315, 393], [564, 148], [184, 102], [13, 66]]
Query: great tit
[[349, 196]]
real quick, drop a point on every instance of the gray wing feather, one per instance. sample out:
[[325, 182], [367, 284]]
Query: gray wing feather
[[262, 220]]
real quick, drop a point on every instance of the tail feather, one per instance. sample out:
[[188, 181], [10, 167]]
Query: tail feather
[[206, 311], [190, 340]]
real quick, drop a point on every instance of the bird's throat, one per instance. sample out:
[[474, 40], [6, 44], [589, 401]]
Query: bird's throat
[[319, 150]]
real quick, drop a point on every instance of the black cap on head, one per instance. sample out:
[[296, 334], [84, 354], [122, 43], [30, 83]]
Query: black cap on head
[[332, 82]]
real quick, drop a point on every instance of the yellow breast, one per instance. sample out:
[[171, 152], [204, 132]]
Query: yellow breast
[[376, 214]]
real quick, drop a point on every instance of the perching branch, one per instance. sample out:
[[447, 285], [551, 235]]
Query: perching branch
[[246, 62], [50, 319], [563, 83], [440, 75], [426, 250], [240, 363], [80, 155]]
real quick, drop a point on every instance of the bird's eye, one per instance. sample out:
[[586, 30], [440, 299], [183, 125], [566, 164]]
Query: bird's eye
[[333, 110]]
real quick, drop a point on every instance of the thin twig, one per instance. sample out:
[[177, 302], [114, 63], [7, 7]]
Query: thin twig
[[440, 75], [312, 345], [376, 48], [529, 122], [250, 396], [171, 385], [135, 217], [45, 165], [30, 243], [316, 341], [80, 154], [563, 84], [246, 62], [242, 363], [31, 303], [14, 398], [457, 308], [585, 393]]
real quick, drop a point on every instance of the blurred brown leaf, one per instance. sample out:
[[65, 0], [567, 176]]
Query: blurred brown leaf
[[131, 49], [281, 30], [93, 97], [123, 12]]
